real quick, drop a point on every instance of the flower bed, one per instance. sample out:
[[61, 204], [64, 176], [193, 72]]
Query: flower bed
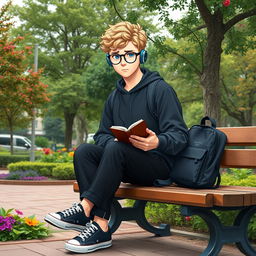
[[15, 227], [22, 175]]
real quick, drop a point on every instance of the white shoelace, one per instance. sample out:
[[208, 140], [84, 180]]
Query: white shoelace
[[90, 228], [72, 210]]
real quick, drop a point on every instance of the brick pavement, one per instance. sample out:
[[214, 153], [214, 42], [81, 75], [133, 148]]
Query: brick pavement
[[128, 240]]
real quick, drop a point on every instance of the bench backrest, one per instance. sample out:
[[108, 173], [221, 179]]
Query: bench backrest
[[240, 136]]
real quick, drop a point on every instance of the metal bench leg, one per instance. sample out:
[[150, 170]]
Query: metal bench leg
[[137, 213], [215, 229], [220, 234], [243, 220], [162, 230]]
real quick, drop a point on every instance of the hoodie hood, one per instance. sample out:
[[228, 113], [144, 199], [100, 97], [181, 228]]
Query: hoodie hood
[[147, 78]]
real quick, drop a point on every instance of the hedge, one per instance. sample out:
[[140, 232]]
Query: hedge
[[6, 159], [64, 171]]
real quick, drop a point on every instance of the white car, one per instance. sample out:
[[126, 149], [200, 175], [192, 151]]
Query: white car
[[90, 138], [20, 143]]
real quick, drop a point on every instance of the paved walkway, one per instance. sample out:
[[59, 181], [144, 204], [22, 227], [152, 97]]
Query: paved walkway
[[129, 239]]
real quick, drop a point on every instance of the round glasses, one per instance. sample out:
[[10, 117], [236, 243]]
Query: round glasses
[[129, 57]]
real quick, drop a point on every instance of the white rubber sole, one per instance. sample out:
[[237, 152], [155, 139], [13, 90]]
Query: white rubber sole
[[88, 248], [62, 224]]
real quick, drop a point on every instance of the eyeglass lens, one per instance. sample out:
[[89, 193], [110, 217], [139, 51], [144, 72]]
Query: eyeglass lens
[[129, 57]]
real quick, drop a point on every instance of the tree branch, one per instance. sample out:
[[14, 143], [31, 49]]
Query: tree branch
[[196, 29], [204, 11], [238, 18]]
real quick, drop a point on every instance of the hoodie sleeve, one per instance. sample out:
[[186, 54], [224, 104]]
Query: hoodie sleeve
[[173, 134], [103, 136]]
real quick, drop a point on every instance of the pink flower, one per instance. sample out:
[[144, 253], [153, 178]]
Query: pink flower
[[226, 3], [18, 212]]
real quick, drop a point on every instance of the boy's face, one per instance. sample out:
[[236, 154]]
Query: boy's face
[[125, 69]]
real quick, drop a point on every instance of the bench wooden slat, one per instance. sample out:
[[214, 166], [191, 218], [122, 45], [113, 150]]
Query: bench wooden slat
[[243, 136], [200, 198], [228, 196], [239, 158], [224, 196]]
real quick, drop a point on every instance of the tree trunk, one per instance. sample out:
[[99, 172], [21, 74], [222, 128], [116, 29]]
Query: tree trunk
[[210, 78], [81, 128], [69, 121]]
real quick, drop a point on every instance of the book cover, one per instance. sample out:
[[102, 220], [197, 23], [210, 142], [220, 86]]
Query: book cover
[[122, 133]]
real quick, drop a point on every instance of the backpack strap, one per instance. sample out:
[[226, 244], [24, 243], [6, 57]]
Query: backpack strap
[[111, 99], [210, 119], [218, 182], [151, 88]]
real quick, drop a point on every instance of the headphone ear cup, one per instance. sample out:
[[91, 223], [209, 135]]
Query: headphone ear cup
[[143, 56], [108, 60]]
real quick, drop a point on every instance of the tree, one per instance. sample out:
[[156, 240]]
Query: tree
[[20, 89], [67, 95], [69, 33], [239, 86], [54, 129], [219, 22]]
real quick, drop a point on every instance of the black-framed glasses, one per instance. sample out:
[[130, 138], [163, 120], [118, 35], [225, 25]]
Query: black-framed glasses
[[129, 57]]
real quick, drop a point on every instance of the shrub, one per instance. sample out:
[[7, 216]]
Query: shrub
[[42, 142], [15, 227], [44, 169], [6, 159], [64, 171]]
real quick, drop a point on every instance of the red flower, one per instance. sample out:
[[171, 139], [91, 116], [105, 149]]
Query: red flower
[[47, 151], [188, 218], [226, 3]]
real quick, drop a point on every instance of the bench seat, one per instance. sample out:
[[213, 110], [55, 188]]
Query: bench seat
[[201, 202]]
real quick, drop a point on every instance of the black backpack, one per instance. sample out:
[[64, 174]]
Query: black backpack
[[197, 166]]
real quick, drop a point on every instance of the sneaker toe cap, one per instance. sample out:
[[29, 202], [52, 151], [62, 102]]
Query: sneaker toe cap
[[55, 215], [73, 241]]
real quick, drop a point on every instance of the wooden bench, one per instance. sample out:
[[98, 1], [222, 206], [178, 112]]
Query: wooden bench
[[201, 202]]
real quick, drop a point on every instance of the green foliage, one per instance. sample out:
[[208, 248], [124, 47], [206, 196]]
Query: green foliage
[[6, 159], [44, 169], [54, 129], [64, 172], [15, 227], [42, 142]]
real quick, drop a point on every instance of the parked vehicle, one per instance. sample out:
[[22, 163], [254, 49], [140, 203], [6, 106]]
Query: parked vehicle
[[90, 138], [20, 143]]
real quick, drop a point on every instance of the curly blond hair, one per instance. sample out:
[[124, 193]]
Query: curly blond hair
[[120, 34]]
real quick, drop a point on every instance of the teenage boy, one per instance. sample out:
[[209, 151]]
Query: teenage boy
[[100, 168]]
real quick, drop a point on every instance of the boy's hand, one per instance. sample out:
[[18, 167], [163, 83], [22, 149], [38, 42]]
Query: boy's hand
[[146, 144]]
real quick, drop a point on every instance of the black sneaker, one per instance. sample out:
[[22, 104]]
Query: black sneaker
[[71, 218], [92, 238]]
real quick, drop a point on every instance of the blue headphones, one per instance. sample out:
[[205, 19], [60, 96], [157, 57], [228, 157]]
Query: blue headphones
[[143, 57]]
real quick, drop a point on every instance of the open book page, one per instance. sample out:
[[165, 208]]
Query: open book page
[[121, 128], [122, 134], [134, 124]]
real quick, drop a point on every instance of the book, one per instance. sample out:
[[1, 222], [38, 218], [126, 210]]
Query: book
[[122, 133]]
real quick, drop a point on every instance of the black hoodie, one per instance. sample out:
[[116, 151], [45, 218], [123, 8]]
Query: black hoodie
[[130, 106]]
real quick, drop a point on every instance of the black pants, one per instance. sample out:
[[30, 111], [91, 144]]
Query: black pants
[[99, 172]]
